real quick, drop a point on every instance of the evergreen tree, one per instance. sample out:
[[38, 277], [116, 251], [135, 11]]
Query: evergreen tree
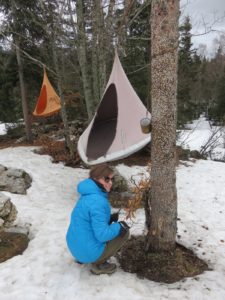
[[20, 27], [10, 107], [162, 202], [213, 84], [218, 110], [188, 68], [137, 48]]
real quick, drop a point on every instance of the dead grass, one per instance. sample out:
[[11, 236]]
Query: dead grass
[[58, 151]]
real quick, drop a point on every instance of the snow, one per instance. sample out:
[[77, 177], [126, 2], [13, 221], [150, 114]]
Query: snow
[[47, 271], [2, 129], [198, 133]]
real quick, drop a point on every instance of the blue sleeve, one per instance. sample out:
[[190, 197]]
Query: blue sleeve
[[99, 219]]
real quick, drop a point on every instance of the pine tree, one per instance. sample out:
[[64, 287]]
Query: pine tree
[[137, 48], [188, 68], [218, 112], [19, 25], [163, 197], [10, 107]]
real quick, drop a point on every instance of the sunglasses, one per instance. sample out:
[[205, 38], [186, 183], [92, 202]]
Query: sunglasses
[[108, 179]]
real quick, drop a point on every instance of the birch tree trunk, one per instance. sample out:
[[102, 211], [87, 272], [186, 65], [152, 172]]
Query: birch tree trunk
[[164, 59]]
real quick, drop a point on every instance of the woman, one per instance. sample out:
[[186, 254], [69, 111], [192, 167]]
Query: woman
[[94, 234]]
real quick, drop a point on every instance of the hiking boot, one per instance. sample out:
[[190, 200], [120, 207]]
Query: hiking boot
[[104, 268]]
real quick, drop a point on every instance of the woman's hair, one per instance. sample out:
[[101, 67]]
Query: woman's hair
[[99, 171]]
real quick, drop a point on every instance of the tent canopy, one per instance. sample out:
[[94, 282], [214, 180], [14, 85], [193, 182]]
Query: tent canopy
[[48, 102], [115, 130]]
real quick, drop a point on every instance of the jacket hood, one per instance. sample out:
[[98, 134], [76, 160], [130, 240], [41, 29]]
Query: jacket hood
[[88, 186]]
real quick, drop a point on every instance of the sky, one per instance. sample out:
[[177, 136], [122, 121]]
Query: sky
[[47, 271], [205, 15]]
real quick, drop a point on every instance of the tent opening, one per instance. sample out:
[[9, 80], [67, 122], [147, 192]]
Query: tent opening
[[103, 130], [48, 102], [42, 101]]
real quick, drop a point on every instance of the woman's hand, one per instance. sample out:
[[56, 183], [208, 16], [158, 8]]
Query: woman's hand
[[114, 218], [124, 228]]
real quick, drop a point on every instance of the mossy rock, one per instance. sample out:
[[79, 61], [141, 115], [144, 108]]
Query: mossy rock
[[120, 192], [197, 155], [183, 154], [120, 183], [120, 200], [12, 244]]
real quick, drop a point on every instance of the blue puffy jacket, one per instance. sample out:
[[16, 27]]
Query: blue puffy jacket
[[89, 228]]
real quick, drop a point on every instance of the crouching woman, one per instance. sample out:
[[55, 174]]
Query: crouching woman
[[94, 234]]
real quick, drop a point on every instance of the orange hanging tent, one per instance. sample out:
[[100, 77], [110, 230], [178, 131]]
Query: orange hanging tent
[[48, 102]]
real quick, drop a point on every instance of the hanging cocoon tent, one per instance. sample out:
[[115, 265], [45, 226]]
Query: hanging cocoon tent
[[115, 130], [48, 102]]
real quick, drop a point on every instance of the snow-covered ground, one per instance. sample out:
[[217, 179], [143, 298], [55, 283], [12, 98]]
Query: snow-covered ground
[[2, 129], [46, 270], [199, 134]]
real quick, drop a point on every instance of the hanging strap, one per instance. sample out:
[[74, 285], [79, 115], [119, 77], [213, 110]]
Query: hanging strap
[[147, 110]]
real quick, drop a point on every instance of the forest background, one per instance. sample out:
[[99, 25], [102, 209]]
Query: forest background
[[75, 41]]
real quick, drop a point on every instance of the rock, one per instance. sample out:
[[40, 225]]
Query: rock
[[119, 183], [11, 244], [8, 212], [186, 154], [196, 154], [183, 154], [5, 205], [21, 139], [120, 199], [2, 168], [11, 217], [120, 192], [19, 229], [15, 181]]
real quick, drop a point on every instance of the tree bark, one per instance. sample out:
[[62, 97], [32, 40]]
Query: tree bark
[[110, 36], [101, 47], [83, 61], [164, 59], [21, 79], [122, 28], [94, 55], [68, 140]]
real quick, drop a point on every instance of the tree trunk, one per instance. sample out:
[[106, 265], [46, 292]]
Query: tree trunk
[[164, 58], [99, 51], [94, 56], [23, 95], [110, 36], [83, 61], [22, 84], [68, 140], [101, 47], [122, 28]]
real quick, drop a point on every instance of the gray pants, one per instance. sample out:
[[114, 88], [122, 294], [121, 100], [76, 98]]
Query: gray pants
[[112, 247]]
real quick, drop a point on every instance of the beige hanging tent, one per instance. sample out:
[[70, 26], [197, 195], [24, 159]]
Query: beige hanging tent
[[48, 102], [115, 130]]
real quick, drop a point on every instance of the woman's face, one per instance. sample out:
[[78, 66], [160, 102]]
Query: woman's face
[[107, 182]]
